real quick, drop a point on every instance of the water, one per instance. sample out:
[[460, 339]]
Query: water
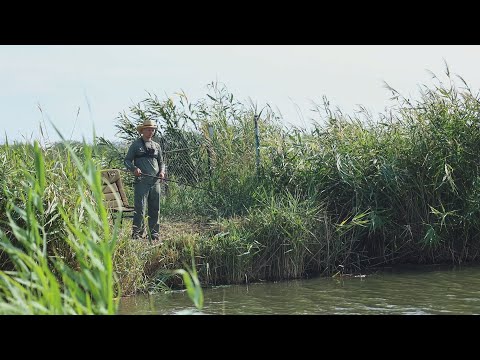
[[408, 291]]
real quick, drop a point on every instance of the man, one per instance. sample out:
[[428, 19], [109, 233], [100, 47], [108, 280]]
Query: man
[[144, 157]]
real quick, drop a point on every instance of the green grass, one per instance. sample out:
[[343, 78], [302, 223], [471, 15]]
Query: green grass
[[43, 282], [352, 192]]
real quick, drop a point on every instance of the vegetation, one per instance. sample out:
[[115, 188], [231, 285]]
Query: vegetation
[[352, 192], [41, 280]]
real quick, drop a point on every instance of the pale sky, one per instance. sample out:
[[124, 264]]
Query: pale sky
[[104, 80]]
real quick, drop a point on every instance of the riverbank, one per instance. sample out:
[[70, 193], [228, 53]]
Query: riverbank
[[225, 253]]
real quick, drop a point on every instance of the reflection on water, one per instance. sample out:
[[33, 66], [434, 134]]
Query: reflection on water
[[409, 290]]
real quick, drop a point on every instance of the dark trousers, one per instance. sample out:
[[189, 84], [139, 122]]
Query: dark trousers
[[146, 195]]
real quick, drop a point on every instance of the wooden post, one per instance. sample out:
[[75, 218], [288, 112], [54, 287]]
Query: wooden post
[[257, 144], [209, 154]]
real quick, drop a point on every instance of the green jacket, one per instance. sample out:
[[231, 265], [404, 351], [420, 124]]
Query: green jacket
[[149, 164]]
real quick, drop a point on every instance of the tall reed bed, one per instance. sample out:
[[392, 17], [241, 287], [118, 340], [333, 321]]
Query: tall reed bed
[[56, 243], [351, 192], [411, 177], [259, 228]]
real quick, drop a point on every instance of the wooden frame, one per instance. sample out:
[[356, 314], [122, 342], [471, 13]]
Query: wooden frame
[[115, 198]]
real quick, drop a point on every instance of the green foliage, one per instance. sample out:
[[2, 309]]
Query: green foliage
[[351, 192], [413, 173], [32, 286], [400, 188], [192, 284]]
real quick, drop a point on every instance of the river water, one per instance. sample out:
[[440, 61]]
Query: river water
[[412, 290]]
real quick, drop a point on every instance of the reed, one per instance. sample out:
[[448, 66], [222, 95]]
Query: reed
[[41, 280], [350, 193], [403, 187]]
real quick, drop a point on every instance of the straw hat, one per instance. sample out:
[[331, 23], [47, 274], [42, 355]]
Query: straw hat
[[146, 124]]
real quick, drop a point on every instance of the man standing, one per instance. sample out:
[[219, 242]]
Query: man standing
[[144, 157]]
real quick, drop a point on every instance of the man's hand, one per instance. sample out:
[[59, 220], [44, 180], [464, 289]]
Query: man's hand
[[161, 175], [137, 172]]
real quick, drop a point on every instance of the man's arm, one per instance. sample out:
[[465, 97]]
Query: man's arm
[[161, 163], [128, 161]]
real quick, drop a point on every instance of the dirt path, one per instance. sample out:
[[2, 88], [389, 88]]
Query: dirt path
[[173, 228]]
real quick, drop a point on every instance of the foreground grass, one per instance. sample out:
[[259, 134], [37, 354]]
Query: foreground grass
[[59, 247], [43, 282]]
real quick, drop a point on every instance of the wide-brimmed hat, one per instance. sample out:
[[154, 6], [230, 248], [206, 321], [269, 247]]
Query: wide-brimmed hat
[[147, 124]]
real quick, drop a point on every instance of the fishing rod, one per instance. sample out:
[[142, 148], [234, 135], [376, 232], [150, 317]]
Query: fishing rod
[[175, 181], [211, 192]]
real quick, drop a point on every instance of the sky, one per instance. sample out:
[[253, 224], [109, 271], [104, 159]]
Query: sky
[[79, 88]]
